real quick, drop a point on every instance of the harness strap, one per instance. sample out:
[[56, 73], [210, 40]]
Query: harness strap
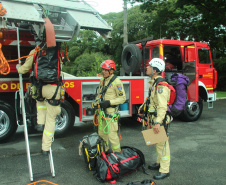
[[104, 89]]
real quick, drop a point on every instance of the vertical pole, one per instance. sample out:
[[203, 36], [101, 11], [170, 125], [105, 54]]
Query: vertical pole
[[24, 113], [125, 31], [51, 162]]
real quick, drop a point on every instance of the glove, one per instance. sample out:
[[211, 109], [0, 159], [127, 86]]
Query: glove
[[17, 66], [94, 106], [142, 110], [105, 104]]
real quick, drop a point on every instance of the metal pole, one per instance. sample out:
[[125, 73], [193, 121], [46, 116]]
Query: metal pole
[[125, 31], [51, 162], [24, 113]]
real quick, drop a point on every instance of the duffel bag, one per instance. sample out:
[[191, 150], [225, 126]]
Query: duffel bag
[[91, 147], [111, 166]]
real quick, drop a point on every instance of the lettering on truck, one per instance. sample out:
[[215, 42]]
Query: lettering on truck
[[12, 86]]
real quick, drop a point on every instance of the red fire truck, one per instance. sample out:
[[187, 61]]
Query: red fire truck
[[192, 59], [22, 20]]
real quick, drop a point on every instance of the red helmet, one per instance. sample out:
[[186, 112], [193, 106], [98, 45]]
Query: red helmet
[[108, 64]]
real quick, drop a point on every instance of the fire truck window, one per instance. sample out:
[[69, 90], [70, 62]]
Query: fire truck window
[[204, 57], [155, 52], [146, 56], [172, 57]]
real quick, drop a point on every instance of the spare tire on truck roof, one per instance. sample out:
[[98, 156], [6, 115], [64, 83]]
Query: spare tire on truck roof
[[131, 58]]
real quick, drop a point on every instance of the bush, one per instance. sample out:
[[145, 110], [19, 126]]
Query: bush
[[87, 64], [220, 66]]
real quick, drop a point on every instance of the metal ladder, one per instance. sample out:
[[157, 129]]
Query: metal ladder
[[25, 123]]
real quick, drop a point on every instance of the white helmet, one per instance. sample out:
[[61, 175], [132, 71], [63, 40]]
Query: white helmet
[[158, 63]]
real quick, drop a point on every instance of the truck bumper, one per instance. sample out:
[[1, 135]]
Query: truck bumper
[[210, 99]]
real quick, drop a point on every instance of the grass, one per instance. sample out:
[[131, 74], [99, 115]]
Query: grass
[[221, 94]]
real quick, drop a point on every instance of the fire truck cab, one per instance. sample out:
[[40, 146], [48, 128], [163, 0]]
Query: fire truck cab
[[192, 59]]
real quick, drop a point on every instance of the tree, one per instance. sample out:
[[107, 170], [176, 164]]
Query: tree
[[80, 49], [136, 30], [212, 10], [87, 64]]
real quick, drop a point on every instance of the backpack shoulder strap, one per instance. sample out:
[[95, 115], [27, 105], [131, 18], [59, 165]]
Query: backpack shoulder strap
[[104, 89], [167, 85], [61, 54], [158, 80], [35, 56]]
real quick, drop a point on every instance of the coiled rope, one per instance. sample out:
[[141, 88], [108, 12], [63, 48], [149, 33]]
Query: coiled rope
[[4, 64]]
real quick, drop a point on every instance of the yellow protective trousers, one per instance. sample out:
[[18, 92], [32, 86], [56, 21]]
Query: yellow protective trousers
[[110, 134], [46, 115], [163, 157]]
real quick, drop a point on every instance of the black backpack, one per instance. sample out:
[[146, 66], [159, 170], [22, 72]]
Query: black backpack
[[91, 147], [47, 65]]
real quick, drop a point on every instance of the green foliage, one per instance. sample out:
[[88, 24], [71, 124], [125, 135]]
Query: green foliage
[[136, 25], [79, 52], [221, 94], [213, 11], [87, 64], [220, 66]]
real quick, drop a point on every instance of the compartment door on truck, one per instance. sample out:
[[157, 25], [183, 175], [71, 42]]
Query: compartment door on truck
[[190, 69]]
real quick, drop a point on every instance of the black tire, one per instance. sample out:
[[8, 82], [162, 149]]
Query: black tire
[[193, 111], [8, 125], [131, 58], [65, 120]]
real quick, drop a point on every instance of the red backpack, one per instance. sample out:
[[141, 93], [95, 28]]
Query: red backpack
[[162, 81]]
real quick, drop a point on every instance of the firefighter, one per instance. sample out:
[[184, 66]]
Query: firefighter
[[157, 116], [46, 111], [109, 102]]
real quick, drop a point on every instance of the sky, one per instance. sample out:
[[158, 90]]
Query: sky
[[107, 6]]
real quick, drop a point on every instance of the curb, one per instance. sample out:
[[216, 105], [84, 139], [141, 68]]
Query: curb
[[223, 98]]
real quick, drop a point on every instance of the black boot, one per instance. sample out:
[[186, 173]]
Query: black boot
[[154, 166], [45, 153], [160, 175], [39, 127]]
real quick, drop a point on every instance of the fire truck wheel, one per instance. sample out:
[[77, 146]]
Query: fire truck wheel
[[8, 125], [131, 58], [65, 120], [192, 111]]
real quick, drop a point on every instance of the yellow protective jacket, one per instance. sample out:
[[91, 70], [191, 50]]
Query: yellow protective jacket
[[27, 65], [115, 93], [158, 101]]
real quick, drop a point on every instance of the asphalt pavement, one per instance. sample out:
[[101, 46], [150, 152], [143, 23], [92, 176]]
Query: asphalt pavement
[[198, 154]]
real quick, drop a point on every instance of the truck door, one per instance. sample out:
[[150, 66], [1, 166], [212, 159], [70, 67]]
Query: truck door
[[206, 69], [190, 69]]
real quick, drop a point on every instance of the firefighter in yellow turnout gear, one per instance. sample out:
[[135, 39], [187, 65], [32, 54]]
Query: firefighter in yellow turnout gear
[[46, 113], [157, 116], [114, 96]]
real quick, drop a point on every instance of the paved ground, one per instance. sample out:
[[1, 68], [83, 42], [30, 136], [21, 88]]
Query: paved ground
[[197, 152]]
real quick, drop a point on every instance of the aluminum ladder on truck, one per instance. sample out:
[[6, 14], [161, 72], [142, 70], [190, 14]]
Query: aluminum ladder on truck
[[21, 91], [67, 17]]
